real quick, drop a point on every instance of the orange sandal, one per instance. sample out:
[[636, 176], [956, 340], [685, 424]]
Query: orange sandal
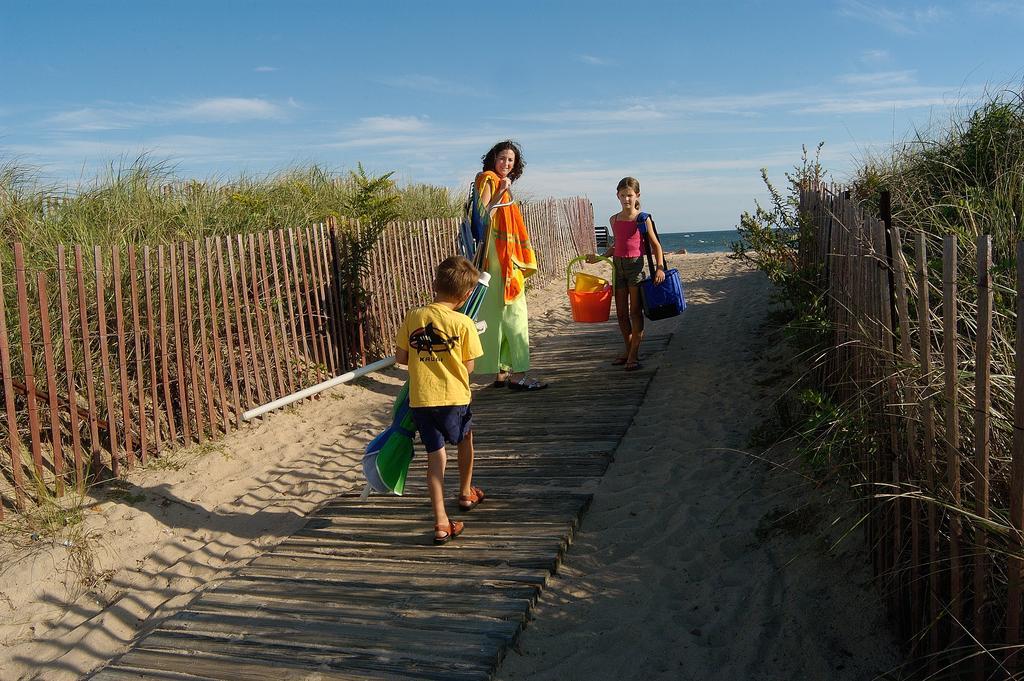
[[454, 529], [469, 501]]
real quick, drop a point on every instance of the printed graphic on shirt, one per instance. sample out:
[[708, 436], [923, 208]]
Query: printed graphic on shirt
[[428, 340]]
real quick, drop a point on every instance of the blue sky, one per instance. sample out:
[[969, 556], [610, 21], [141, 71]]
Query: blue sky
[[691, 98]]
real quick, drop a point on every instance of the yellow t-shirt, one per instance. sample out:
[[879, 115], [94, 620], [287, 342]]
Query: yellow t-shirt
[[439, 341]]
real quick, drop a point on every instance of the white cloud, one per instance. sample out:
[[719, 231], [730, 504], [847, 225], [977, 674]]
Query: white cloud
[[636, 113], [227, 109], [432, 84], [892, 20], [266, 69], [592, 60], [875, 56], [887, 99], [391, 124], [115, 116], [998, 7], [879, 78]]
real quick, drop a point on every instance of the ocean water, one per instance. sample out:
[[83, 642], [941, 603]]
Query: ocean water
[[693, 242], [699, 242]]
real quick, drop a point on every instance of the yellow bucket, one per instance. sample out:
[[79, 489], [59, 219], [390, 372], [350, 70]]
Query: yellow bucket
[[588, 283]]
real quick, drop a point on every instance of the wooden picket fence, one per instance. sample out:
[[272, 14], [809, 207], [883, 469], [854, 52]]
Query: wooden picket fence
[[111, 356], [927, 360]]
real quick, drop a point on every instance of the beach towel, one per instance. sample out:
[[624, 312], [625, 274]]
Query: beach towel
[[511, 242]]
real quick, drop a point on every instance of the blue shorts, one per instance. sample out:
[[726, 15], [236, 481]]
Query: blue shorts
[[438, 425]]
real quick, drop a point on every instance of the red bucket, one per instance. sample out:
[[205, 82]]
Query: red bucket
[[591, 306]]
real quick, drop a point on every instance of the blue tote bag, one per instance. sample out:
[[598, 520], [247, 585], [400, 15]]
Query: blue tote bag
[[664, 300]]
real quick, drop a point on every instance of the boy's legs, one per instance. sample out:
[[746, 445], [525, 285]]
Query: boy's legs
[[436, 461], [435, 425], [466, 465]]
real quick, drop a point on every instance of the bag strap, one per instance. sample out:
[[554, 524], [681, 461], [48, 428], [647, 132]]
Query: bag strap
[[641, 226]]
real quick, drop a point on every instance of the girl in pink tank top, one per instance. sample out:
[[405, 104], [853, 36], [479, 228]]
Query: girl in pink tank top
[[627, 256]]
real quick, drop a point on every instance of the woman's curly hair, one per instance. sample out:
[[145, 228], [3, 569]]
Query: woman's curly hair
[[491, 156]]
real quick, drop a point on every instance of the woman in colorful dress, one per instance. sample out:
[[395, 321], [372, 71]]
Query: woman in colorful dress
[[509, 258]]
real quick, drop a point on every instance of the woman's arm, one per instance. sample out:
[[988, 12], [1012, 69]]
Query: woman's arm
[[490, 197], [659, 255], [402, 356]]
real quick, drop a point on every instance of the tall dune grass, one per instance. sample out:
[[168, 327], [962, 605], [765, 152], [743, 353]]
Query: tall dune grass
[[963, 178], [145, 202]]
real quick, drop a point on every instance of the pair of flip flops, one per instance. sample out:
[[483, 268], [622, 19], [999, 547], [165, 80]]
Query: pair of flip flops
[[522, 384], [526, 384]]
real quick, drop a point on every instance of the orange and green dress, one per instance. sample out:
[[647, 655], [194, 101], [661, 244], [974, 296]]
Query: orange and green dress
[[510, 259]]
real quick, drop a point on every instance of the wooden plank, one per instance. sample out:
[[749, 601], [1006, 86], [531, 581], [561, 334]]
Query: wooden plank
[[952, 434], [140, 377], [122, 359], [193, 351], [179, 354], [316, 341], [272, 322], [289, 357], [266, 366], [330, 297], [87, 364], [320, 299], [982, 419], [927, 417], [257, 363], [51, 384], [28, 367], [297, 276], [151, 339], [204, 345], [291, 310], [229, 335], [218, 358], [13, 436], [1015, 564], [164, 354], [246, 365], [108, 384], [69, 368], [337, 300], [302, 294], [314, 603], [900, 279], [272, 661]]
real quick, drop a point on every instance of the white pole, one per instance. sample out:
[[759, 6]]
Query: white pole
[[319, 387]]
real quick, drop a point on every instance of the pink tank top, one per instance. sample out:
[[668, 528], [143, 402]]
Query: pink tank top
[[627, 239]]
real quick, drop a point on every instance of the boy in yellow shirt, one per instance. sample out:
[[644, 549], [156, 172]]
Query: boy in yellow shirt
[[439, 345]]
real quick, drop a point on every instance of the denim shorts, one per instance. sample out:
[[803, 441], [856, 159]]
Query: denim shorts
[[438, 425], [628, 271]]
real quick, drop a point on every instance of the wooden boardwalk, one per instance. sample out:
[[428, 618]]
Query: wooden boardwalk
[[360, 592]]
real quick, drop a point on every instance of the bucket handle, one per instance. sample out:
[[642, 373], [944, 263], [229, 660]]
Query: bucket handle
[[568, 269]]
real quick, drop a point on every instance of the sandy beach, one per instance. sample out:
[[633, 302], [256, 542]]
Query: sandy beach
[[697, 559]]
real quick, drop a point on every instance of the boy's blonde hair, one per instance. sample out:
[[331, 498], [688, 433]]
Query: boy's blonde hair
[[455, 277]]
